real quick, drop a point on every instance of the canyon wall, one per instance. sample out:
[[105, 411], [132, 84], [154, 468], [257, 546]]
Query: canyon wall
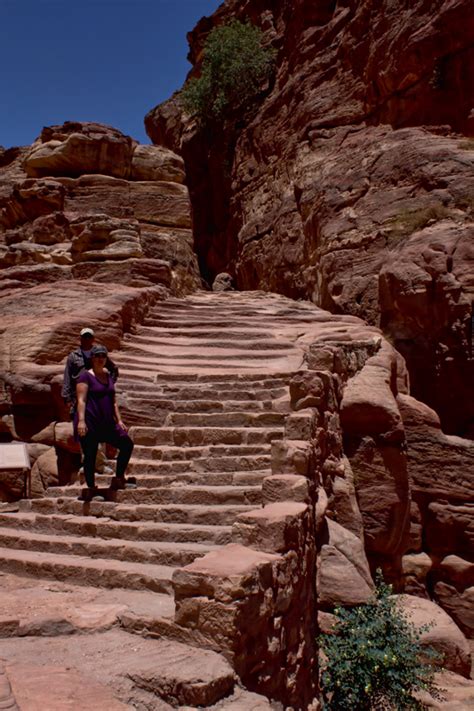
[[94, 228], [350, 183]]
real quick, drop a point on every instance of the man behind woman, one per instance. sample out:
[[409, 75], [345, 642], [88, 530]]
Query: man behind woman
[[97, 419], [77, 361]]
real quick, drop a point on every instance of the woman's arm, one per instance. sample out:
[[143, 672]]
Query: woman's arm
[[81, 391], [118, 419]]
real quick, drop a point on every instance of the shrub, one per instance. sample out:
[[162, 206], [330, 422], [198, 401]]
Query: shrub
[[409, 221], [374, 659], [234, 66], [467, 145]]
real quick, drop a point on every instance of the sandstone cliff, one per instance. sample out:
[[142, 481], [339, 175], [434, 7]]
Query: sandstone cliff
[[94, 227], [351, 183], [86, 202]]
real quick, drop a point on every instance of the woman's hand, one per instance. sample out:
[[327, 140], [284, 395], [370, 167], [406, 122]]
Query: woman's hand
[[122, 425], [81, 428]]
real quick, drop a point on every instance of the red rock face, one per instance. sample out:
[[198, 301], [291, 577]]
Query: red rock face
[[93, 229], [351, 182], [86, 202]]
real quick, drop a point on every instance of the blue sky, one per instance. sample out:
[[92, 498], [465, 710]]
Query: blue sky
[[90, 60]]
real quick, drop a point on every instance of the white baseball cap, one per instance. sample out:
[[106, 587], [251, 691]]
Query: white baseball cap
[[87, 332]]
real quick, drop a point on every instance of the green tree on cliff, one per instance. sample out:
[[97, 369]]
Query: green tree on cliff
[[234, 67]]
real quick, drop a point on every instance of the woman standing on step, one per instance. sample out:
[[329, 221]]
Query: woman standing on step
[[98, 420]]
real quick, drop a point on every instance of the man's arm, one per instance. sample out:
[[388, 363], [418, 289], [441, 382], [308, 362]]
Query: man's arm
[[67, 391], [112, 368]]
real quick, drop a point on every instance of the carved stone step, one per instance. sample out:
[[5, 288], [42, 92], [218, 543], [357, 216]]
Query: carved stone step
[[219, 514], [99, 572], [148, 402], [109, 528], [208, 462], [191, 494], [226, 419], [165, 553], [183, 479], [166, 453], [189, 433]]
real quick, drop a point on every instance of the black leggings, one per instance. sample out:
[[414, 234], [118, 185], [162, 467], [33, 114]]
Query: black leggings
[[89, 445]]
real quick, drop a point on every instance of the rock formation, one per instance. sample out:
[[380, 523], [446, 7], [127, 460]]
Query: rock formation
[[281, 452], [350, 183], [94, 227], [85, 202]]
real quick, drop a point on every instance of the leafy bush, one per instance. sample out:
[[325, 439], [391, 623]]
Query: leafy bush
[[409, 221], [234, 67], [467, 145], [374, 659]]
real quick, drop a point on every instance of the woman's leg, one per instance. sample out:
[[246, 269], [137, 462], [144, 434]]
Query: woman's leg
[[89, 445], [125, 447]]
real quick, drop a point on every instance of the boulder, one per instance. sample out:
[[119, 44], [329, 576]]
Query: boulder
[[375, 445], [343, 572], [381, 481], [368, 406], [345, 506], [459, 603], [222, 282], [440, 464], [415, 569], [443, 634], [457, 693], [44, 473], [77, 148], [156, 163]]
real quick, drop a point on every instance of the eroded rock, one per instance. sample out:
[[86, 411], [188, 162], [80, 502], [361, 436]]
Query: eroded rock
[[443, 634], [84, 196], [352, 186]]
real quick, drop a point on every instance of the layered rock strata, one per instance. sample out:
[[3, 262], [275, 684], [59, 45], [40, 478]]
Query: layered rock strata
[[86, 202], [350, 183], [94, 228]]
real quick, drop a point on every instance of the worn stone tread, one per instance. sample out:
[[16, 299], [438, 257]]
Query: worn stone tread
[[104, 527], [155, 552], [211, 432], [98, 572], [184, 674], [191, 494], [166, 513], [211, 462], [144, 440], [197, 405]]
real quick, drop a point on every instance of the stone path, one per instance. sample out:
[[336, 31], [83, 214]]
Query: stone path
[[204, 384]]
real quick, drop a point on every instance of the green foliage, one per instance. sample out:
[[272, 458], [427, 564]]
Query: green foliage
[[467, 145], [409, 221], [375, 659], [234, 66]]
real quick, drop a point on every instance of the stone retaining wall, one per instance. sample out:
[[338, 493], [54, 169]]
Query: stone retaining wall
[[256, 599]]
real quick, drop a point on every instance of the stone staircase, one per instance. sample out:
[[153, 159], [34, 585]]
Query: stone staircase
[[203, 384], [204, 387]]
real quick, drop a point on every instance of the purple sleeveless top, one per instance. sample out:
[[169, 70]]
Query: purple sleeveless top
[[99, 405]]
